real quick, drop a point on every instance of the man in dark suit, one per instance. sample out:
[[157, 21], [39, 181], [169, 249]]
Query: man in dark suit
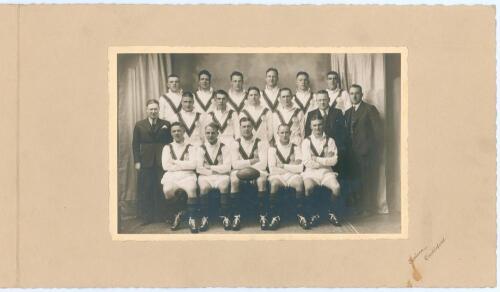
[[334, 125], [365, 137], [150, 135]]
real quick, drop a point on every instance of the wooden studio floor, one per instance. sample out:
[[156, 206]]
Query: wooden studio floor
[[374, 224]]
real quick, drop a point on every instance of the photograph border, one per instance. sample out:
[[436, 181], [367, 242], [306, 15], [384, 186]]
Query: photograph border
[[113, 139]]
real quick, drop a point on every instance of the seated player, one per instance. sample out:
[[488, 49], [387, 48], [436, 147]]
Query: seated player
[[320, 154], [260, 116], [179, 162], [290, 115], [248, 151], [190, 120], [225, 117], [285, 167], [213, 168]]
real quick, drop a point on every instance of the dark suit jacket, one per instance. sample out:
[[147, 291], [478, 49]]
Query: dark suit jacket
[[334, 126], [147, 143], [364, 130]]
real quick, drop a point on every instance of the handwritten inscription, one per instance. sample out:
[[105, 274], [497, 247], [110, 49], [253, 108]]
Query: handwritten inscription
[[418, 253], [415, 273], [434, 249]]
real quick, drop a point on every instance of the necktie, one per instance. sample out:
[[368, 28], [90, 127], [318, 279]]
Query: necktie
[[153, 124]]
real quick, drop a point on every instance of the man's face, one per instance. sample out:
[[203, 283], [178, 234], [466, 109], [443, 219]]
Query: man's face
[[355, 94], [302, 82], [271, 79], [285, 98], [331, 81], [322, 100], [204, 82], [220, 101], [178, 133], [284, 134], [211, 134], [174, 84], [253, 97], [317, 127], [187, 104], [246, 129], [152, 110], [237, 83]]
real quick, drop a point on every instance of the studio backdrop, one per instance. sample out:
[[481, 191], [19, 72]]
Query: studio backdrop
[[144, 76]]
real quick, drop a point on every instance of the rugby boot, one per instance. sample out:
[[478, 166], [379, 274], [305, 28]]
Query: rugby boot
[[236, 222], [192, 225], [203, 224], [303, 222], [333, 219], [177, 221], [275, 223]]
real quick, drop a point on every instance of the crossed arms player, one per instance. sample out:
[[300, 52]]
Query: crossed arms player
[[248, 151], [285, 166], [179, 181], [319, 155], [213, 168]]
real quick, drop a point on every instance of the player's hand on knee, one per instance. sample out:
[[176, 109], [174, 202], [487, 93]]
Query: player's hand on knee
[[137, 165]]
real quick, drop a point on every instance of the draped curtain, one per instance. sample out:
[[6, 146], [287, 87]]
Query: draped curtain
[[140, 77], [367, 70]]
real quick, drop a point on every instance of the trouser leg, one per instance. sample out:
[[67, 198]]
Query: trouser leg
[[147, 178]]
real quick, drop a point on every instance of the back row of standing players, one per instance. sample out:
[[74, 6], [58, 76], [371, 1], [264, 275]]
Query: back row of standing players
[[264, 108], [249, 121]]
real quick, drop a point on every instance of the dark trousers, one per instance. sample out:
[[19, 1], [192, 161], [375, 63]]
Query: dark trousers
[[364, 177], [151, 202]]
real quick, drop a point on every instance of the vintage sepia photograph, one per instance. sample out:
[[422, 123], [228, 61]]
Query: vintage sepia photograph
[[271, 143]]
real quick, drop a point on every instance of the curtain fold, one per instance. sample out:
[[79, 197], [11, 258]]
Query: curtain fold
[[367, 70], [140, 77]]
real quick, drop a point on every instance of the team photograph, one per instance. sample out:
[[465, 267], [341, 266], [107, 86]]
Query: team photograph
[[258, 143]]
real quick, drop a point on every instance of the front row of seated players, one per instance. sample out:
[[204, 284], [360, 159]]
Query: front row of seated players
[[214, 166]]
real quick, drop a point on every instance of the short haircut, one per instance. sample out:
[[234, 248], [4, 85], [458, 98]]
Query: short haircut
[[302, 73], [333, 73], [253, 88], [245, 119], [236, 73], [322, 91], [214, 126], [283, 89], [272, 69], [173, 75], [222, 91], [150, 101], [283, 125], [357, 86], [177, 124], [204, 72], [316, 117], [188, 94]]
